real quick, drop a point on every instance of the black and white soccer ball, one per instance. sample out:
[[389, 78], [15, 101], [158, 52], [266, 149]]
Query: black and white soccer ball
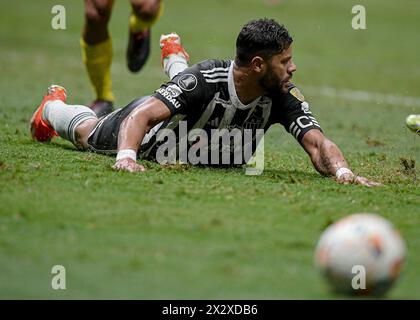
[[361, 254]]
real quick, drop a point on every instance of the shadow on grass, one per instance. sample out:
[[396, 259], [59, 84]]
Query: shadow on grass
[[53, 144], [290, 176], [277, 175], [282, 175]]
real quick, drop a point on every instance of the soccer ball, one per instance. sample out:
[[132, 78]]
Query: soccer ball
[[413, 122], [361, 254]]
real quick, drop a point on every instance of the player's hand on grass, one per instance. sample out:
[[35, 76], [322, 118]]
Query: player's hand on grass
[[349, 178], [366, 182], [128, 164]]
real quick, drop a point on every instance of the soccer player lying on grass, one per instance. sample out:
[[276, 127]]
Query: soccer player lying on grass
[[252, 92]]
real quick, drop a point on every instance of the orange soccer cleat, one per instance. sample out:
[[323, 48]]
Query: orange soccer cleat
[[40, 129], [171, 44]]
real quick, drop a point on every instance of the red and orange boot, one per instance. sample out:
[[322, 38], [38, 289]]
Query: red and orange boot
[[171, 44], [40, 129]]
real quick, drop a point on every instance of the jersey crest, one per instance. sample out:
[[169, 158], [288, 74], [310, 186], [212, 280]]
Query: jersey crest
[[297, 94]]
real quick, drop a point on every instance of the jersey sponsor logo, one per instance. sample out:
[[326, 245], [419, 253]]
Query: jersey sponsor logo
[[305, 107], [297, 94], [314, 121], [187, 82], [168, 96], [307, 121], [173, 90], [301, 123], [304, 121]]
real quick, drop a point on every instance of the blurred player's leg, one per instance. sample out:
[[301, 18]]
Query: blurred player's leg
[[174, 57], [145, 13], [54, 117], [97, 52]]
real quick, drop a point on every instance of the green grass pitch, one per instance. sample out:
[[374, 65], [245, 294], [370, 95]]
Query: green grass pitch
[[196, 233]]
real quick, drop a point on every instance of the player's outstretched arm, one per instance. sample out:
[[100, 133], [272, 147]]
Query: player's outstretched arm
[[328, 159], [134, 128]]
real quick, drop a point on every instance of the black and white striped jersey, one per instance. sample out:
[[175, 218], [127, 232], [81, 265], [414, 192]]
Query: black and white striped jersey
[[204, 97]]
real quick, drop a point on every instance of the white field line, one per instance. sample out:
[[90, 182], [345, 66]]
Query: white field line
[[365, 96]]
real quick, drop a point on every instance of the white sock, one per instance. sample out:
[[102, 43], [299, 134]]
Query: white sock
[[65, 118], [174, 64]]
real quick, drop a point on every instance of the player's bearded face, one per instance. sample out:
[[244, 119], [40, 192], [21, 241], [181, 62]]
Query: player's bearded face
[[279, 72], [271, 82]]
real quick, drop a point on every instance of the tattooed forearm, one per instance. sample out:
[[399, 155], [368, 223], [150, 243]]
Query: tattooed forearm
[[329, 158]]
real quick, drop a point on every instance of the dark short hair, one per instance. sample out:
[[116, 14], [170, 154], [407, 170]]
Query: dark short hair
[[263, 37]]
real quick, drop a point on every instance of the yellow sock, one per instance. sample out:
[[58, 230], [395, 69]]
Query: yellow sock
[[97, 59], [138, 25]]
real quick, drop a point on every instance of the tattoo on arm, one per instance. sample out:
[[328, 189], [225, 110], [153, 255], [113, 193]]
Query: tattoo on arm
[[329, 158]]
